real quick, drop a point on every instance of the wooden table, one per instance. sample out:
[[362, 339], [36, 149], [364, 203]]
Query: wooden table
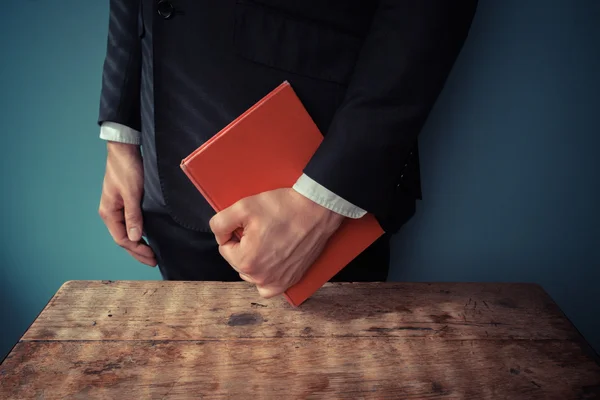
[[175, 340]]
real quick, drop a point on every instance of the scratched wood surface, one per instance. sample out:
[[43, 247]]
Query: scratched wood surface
[[182, 340]]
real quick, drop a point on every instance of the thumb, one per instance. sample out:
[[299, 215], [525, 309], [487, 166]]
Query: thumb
[[133, 219]]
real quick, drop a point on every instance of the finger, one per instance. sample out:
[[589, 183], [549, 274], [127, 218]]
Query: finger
[[150, 261], [116, 227], [114, 221], [117, 231], [267, 292], [230, 251], [268, 289], [133, 218], [224, 223], [246, 278], [142, 248]]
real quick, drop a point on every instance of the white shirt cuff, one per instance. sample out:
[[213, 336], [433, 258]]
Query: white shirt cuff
[[307, 187], [119, 133]]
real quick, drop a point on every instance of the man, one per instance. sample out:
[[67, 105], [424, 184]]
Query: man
[[177, 71]]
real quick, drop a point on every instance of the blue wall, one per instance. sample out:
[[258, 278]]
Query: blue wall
[[510, 159]]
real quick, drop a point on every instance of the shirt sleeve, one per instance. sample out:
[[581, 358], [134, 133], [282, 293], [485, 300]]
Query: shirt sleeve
[[311, 189], [119, 133]]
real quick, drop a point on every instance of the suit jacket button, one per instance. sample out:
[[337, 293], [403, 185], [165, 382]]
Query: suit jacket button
[[165, 9]]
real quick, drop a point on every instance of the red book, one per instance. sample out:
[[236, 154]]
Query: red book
[[267, 148]]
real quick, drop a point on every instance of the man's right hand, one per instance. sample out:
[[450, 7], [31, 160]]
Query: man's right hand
[[120, 204]]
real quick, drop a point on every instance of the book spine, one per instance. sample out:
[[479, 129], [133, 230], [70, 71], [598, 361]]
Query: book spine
[[238, 233], [193, 179], [289, 299]]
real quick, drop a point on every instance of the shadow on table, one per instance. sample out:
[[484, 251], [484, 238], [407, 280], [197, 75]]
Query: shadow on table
[[13, 318]]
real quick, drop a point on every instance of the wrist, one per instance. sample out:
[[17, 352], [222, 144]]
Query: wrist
[[327, 218], [120, 148], [333, 219]]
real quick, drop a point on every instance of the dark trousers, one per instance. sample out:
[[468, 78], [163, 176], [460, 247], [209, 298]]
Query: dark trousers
[[188, 255]]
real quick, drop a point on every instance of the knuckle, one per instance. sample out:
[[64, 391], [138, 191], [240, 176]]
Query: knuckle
[[102, 212], [241, 208], [132, 214], [133, 220], [212, 223]]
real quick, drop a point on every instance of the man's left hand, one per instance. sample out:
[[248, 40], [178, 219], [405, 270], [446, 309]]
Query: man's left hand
[[283, 234]]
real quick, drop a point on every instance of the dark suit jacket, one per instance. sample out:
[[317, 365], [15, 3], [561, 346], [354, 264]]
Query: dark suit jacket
[[367, 71]]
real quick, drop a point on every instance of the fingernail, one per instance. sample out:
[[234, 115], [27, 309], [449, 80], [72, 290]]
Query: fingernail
[[134, 234]]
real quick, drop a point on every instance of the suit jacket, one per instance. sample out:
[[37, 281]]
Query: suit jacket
[[367, 71]]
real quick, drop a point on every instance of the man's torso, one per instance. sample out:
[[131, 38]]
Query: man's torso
[[206, 62]]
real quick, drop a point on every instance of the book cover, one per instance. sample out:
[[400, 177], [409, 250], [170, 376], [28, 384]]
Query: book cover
[[267, 148]]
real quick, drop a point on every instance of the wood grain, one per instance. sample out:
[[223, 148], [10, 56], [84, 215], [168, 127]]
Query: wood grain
[[187, 311], [189, 340], [388, 368]]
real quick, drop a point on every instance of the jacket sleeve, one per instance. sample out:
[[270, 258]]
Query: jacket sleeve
[[121, 75], [402, 67]]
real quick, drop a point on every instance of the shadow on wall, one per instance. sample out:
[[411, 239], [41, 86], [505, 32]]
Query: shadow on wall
[[511, 172], [12, 302]]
